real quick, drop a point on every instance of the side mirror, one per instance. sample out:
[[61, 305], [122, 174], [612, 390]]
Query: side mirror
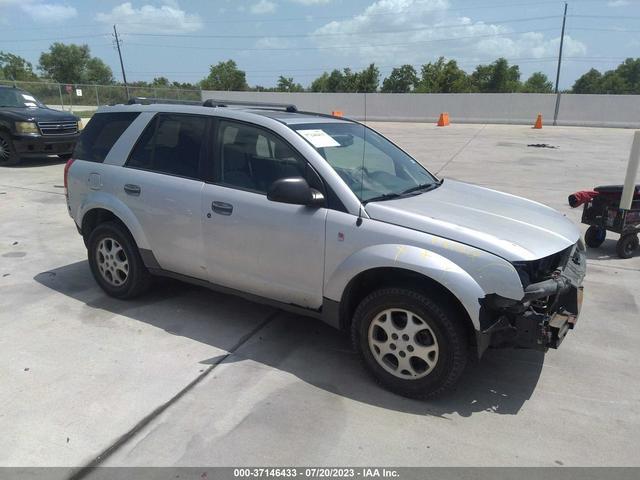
[[295, 190]]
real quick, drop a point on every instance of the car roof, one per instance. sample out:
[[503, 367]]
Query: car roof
[[281, 115]]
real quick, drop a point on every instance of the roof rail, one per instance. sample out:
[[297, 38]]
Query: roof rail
[[168, 101], [288, 107]]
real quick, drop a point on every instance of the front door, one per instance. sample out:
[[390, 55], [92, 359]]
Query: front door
[[252, 244]]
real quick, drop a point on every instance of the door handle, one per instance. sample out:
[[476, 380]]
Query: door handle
[[131, 189], [222, 208]]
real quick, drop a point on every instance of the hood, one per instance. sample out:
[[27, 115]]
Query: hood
[[37, 114], [511, 227]]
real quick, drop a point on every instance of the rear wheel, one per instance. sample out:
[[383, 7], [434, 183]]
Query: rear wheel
[[595, 236], [8, 155], [115, 261], [412, 345], [627, 245]]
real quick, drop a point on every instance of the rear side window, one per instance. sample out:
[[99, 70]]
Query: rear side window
[[171, 144], [102, 131]]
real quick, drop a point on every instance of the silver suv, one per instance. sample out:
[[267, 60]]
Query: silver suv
[[325, 217]]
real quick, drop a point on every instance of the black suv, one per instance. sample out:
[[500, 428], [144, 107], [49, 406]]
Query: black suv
[[28, 128]]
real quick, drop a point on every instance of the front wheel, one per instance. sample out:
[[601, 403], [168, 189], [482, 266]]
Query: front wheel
[[8, 154], [412, 345], [115, 261]]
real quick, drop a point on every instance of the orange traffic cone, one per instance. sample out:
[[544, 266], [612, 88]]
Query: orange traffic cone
[[443, 121], [538, 123]]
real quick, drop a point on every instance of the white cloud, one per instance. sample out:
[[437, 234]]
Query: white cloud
[[273, 42], [618, 3], [41, 11], [422, 30], [49, 12], [168, 17], [263, 6]]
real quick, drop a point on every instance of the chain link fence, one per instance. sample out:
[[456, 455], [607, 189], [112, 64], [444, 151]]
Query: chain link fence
[[87, 98]]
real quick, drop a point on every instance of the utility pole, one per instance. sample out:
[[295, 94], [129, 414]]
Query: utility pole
[[564, 21], [124, 75]]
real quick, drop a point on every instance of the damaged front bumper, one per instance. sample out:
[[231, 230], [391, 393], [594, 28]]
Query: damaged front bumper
[[546, 313]]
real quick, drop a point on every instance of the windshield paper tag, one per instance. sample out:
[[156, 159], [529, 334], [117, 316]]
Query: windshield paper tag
[[28, 97], [319, 138]]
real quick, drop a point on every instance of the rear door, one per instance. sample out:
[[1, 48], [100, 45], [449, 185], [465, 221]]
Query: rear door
[[252, 244], [162, 185]]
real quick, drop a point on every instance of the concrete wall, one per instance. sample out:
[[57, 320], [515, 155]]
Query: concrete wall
[[512, 108], [600, 110]]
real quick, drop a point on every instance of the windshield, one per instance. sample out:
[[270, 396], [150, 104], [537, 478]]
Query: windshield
[[13, 97], [372, 166]]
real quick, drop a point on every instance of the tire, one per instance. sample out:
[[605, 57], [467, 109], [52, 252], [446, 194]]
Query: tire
[[431, 373], [115, 261], [595, 236], [627, 245], [8, 154]]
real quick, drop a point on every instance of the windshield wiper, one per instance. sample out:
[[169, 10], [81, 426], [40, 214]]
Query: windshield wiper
[[379, 198], [424, 186]]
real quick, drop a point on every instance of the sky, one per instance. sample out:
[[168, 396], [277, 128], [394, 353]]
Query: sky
[[180, 39]]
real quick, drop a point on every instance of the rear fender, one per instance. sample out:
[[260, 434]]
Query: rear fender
[[107, 201]]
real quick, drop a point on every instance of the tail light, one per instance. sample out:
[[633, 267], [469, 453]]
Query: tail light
[[67, 166]]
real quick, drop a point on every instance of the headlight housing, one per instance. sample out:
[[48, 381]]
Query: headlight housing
[[27, 128]]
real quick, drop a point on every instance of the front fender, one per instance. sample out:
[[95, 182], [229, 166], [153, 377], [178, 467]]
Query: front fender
[[98, 199], [415, 259]]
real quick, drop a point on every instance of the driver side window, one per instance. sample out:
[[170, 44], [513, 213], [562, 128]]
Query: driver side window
[[252, 158]]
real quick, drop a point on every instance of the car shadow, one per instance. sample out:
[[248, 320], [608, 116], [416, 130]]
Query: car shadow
[[42, 161], [606, 251], [307, 348]]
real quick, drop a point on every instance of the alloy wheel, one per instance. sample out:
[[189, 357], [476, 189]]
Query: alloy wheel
[[112, 262], [5, 150], [403, 344]]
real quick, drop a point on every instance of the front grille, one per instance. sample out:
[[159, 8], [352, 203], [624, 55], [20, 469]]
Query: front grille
[[58, 128]]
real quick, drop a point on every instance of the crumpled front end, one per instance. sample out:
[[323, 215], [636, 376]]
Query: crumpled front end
[[549, 309]]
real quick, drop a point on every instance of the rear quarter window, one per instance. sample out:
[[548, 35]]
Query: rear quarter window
[[102, 131]]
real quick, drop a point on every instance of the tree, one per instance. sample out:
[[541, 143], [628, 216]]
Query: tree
[[74, 64], [225, 76], [629, 71], [504, 78], [367, 80], [161, 82], [443, 77], [401, 80], [498, 77], [320, 83], [13, 67], [286, 84], [537, 83], [588, 83], [613, 83], [349, 81], [98, 72], [335, 81], [625, 79]]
